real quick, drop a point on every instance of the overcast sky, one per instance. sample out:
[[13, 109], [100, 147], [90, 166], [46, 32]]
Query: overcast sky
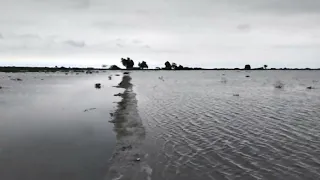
[[206, 33]]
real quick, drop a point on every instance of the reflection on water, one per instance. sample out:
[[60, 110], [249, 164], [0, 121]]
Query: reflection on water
[[46, 132], [197, 129]]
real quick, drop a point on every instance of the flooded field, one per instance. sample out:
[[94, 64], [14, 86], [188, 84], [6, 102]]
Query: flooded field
[[173, 125], [56, 126], [224, 125]]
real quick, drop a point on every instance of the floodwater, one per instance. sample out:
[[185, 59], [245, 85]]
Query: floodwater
[[172, 125], [56, 126], [224, 125]]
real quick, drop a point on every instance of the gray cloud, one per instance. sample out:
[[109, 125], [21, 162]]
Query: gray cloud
[[244, 27], [215, 33], [73, 43]]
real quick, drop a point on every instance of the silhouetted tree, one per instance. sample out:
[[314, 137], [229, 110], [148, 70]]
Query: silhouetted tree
[[180, 67], [168, 65], [128, 63], [247, 67], [174, 65], [265, 66], [114, 67], [143, 65]]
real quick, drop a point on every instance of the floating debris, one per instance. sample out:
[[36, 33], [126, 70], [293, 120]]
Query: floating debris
[[90, 109], [66, 73], [138, 159], [279, 85], [16, 79], [124, 148], [161, 78], [117, 75], [224, 80], [236, 95], [111, 114], [310, 87], [126, 73], [42, 79], [0, 87], [97, 86], [110, 77], [119, 94], [247, 76]]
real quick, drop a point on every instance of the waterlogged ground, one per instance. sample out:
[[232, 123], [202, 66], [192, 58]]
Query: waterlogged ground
[[197, 127], [55, 126], [173, 125]]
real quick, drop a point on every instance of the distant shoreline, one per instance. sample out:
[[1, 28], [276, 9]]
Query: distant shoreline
[[76, 69]]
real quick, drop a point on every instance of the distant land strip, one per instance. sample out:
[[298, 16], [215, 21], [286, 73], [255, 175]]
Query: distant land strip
[[90, 69]]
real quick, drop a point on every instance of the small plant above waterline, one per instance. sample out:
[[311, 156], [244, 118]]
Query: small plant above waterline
[[279, 85], [310, 87], [97, 86]]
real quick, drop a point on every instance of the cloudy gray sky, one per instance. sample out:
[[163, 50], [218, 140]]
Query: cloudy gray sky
[[207, 33]]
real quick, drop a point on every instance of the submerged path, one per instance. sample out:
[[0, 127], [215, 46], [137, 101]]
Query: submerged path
[[128, 160]]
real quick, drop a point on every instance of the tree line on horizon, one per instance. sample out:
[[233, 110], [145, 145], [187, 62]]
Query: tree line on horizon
[[128, 63]]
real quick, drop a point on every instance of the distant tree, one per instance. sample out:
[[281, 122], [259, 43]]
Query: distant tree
[[128, 63], [174, 65], [124, 62], [265, 66], [168, 65], [247, 67], [143, 65], [104, 66], [180, 67], [114, 67]]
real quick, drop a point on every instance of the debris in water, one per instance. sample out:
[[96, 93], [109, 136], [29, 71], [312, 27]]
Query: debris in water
[[117, 75], [126, 148], [110, 77], [161, 78], [16, 79], [126, 73], [97, 85], [111, 114], [310, 87], [279, 85], [138, 159], [236, 94], [90, 109], [224, 80], [247, 76], [119, 94]]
